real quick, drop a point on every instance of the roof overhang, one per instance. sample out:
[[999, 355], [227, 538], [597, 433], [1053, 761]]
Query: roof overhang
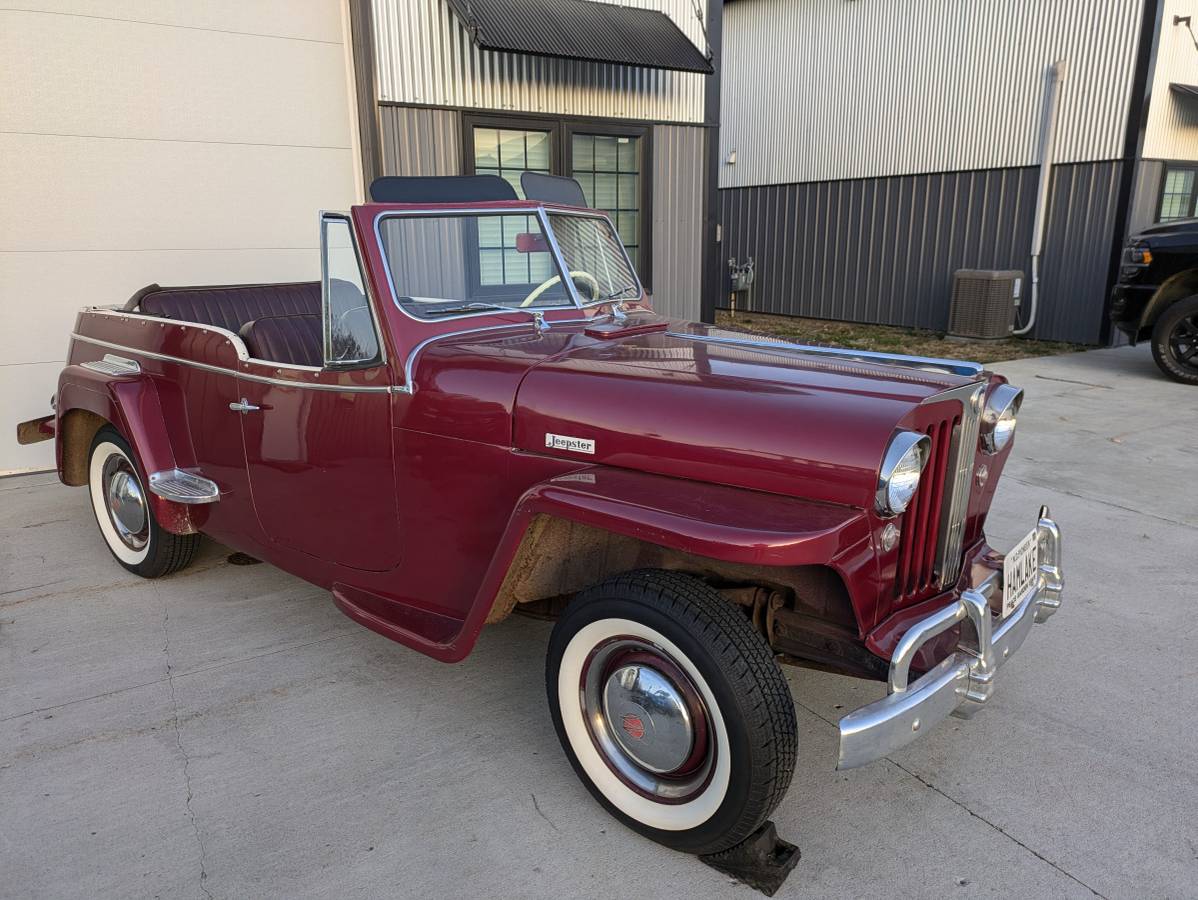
[[1189, 91], [581, 30]]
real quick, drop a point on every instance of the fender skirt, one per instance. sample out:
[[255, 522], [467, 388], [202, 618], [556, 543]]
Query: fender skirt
[[147, 420], [709, 520]]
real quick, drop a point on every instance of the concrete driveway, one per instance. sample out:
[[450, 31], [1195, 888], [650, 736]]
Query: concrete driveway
[[227, 733]]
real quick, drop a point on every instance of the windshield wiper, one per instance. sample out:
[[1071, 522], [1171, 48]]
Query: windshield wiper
[[467, 307], [620, 293]]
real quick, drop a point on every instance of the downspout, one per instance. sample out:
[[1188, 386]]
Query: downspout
[[1048, 137]]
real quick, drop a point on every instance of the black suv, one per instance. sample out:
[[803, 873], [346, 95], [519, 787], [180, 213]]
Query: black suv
[[1157, 296]]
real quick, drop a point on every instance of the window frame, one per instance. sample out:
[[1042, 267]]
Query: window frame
[[1179, 166], [561, 161], [380, 356]]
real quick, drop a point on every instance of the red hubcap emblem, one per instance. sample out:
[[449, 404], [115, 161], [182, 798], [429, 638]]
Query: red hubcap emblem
[[633, 726]]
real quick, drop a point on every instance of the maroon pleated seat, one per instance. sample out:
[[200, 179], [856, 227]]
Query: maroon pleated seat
[[232, 306], [293, 340]]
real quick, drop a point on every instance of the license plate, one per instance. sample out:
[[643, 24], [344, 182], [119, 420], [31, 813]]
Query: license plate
[[1020, 572]]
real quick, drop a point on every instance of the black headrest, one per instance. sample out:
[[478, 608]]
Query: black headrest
[[440, 189], [552, 189]]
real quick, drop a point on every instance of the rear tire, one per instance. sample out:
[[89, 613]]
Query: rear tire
[[124, 513], [671, 709], [1175, 341]]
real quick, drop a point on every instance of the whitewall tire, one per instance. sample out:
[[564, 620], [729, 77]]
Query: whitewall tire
[[671, 709], [125, 515]]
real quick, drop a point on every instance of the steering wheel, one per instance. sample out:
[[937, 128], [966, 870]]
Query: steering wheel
[[592, 284]]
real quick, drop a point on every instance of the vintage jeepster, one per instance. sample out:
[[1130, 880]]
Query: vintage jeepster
[[476, 411]]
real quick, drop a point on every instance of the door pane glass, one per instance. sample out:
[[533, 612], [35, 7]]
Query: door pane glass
[[608, 168], [1177, 196], [349, 335], [508, 153]]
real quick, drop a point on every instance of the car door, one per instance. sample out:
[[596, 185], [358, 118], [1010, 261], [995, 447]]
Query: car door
[[318, 444]]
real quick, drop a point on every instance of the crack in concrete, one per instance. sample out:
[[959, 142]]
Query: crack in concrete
[[932, 787], [170, 679], [201, 670], [1098, 500], [537, 807]]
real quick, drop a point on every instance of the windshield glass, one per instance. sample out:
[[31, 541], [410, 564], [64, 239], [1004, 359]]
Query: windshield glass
[[592, 252], [445, 266]]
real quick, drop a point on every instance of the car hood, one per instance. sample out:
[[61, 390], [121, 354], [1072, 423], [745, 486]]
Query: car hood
[[694, 402], [1180, 226]]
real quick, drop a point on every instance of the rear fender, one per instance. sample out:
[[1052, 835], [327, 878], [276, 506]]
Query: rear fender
[[135, 406], [713, 521]]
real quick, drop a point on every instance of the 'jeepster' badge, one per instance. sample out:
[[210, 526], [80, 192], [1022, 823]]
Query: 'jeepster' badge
[[565, 442]]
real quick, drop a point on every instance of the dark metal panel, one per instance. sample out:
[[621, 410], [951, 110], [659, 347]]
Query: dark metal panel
[[883, 250]]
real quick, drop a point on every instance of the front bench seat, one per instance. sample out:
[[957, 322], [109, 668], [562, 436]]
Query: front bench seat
[[291, 340], [229, 307]]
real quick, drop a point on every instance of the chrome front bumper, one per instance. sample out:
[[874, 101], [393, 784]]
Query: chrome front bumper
[[963, 681]]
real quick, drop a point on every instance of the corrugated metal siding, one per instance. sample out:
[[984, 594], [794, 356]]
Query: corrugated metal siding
[[426, 56], [884, 250], [420, 141], [677, 220], [1172, 131], [821, 90]]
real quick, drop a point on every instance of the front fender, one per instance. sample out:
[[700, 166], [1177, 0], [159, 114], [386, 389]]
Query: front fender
[[134, 405], [709, 520]]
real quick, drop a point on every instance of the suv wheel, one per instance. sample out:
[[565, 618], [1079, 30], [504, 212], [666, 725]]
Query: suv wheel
[[124, 514], [671, 709], [1175, 341]]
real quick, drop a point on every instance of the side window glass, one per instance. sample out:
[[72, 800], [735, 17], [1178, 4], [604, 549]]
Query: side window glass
[[349, 335]]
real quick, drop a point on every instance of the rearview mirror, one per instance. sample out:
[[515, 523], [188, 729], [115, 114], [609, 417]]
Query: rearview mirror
[[531, 242]]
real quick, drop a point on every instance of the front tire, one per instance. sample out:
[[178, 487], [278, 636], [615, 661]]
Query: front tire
[[123, 512], [1175, 341], [671, 709]]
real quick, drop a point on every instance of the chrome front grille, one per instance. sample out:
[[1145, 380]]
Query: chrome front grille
[[958, 477]]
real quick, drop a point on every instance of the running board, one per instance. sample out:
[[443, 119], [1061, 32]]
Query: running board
[[184, 487]]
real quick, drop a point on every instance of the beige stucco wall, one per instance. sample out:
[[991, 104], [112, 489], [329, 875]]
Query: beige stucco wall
[[145, 140]]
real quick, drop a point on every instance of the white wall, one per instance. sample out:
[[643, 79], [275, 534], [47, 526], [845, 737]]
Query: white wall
[[1172, 131], [823, 90], [145, 140]]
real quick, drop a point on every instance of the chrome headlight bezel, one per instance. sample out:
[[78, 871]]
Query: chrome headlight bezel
[[902, 445], [1002, 404]]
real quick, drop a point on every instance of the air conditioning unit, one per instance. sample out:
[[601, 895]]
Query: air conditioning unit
[[983, 303]]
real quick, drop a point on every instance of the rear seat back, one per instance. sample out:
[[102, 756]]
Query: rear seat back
[[230, 307], [292, 340]]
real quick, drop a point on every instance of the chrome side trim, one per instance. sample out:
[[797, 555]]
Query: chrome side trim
[[961, 683], [247, 376], [927, 364], [409, 385], [243, 354], [114, 365], [184, 487]]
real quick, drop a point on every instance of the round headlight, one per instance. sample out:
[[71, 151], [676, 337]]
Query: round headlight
[[902, 465], [998, 418]]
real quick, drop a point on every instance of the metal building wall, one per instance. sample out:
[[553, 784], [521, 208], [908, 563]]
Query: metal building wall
[[677, 220], [1172, 131], [425, 56], [883, 250], [419, 141], [821, 90]]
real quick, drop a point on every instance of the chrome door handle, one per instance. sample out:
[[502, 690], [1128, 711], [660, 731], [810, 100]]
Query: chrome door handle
[[244, 406]]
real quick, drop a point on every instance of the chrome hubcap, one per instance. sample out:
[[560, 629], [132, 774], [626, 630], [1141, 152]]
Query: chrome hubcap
[[126, 503], [647, 720]]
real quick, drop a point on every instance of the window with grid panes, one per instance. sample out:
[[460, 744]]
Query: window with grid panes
[[508, 152], [609, 169], [1177, 195]]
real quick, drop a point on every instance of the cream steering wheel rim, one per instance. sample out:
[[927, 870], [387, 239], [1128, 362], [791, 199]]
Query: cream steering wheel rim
[[550, 282]]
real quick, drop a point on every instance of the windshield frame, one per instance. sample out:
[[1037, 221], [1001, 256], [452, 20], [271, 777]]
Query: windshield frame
[[542, 214]]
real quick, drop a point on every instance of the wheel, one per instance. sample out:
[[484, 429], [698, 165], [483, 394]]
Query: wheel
[[124, 514], [1175, 341], [671, 709]]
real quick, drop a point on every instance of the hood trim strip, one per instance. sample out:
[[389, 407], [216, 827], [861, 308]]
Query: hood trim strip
[[924, 363]]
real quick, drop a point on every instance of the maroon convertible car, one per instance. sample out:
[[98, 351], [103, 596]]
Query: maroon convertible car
[[476, 410]]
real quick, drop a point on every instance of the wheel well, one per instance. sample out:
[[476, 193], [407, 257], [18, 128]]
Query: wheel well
[[1175, 288], [77, 429], [803, 611]]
